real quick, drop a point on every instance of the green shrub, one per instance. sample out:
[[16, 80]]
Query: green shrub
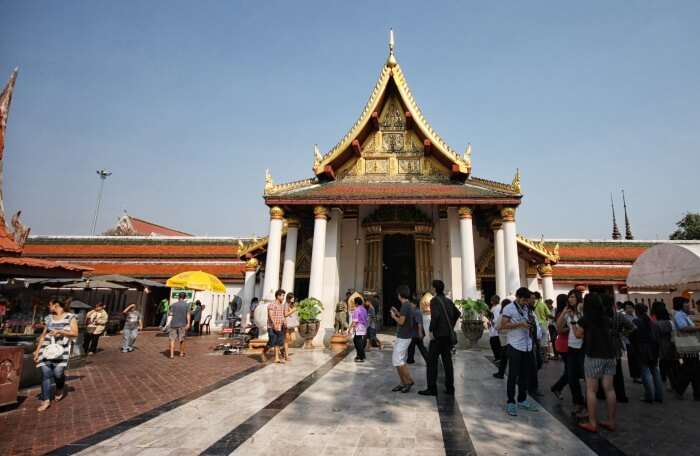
[[308, 309], [472, 309]]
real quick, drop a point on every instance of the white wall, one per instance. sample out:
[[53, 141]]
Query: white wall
[[455, 254]]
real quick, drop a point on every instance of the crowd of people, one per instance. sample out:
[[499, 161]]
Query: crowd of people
[[590, 335]]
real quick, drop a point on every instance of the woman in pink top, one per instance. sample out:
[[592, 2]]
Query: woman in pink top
[[359, 329]]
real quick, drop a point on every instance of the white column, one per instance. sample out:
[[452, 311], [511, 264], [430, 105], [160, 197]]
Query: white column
[[251, 267], [547, 282], [533, 283], [318, 251], [466, 238], [290, 256], [511, 250], [272, 260], [499, 258], [455, 270], [331, 278]]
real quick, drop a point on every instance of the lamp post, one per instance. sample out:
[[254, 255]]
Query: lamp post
[[104, 174]]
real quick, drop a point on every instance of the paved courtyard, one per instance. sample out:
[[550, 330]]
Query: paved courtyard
[[318, 404]]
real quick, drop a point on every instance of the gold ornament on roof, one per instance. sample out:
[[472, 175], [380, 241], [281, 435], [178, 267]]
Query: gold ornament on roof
[[317, 156], [508, 214], [251, 265], [468, 154], [516, 182], [320, 212], [391, 61], [268, 181], [545, 270], [464, 212], [276, 213]]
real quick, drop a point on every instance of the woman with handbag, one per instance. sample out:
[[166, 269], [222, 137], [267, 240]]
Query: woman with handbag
[[291, 322], [53, 350], [575, 355], [561, 348]]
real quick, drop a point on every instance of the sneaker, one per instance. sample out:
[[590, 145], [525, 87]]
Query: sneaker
[[512, 409], [527, 405]]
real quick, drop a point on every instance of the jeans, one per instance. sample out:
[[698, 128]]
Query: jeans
[[359, 342], [416, 342], [440, 347], [574, 370], [90, 342], [163, 319], [51, 371], [651, 379], [519, 365], [129, 338]]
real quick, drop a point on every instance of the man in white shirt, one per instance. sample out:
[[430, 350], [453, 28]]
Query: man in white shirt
[[494, 340], [518, 319]]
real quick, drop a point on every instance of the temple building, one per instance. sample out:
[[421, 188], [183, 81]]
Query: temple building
[[393, 204]]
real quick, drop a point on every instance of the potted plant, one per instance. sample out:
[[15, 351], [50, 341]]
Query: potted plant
[[472, 322], [308, 309]]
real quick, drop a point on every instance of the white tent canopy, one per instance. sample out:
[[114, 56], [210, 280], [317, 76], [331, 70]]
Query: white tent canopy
[[666, 266]]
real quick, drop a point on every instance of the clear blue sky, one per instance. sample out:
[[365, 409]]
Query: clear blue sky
[[188, 103]]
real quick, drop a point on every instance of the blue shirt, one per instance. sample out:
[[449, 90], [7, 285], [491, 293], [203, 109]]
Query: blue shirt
[[682, 320]]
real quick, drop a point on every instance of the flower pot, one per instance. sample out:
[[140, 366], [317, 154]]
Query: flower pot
[[308, 330], [473, 330]]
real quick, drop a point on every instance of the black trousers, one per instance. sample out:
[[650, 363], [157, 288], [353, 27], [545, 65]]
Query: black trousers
[[359, 342], [416, 342], [496, 348], [689, 374], [519, 365], [90, 342], [564, 379], [440, 348], [574, 370], [633, 362], [670, 369], [503, 363], [533, 384]]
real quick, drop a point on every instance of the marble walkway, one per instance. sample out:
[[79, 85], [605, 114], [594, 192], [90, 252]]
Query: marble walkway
[[321, 404]]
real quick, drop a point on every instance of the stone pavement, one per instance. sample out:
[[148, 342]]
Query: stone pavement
[[114, 387], [643, 429], [321, 404]]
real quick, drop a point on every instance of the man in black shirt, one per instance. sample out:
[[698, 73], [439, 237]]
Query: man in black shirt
[[443, 317]]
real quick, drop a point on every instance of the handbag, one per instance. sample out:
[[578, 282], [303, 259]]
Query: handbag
[[453, 336], [292, 321], [53, 350], [561, 344]]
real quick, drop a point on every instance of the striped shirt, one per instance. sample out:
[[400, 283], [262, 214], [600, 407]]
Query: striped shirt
[[57, 325]]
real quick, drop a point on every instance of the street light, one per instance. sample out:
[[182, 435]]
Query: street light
[[104, 174]]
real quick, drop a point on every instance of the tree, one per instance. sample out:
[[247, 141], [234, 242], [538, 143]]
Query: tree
[[688, 228]]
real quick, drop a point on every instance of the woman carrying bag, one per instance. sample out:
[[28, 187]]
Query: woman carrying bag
[[53, 351], [291, 322]]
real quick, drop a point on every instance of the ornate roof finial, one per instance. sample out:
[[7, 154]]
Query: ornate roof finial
[[516, 181], [468, 153], [615, 231], [628, 227], [317, 156], [268, 180], [391, 61], [5, 100]]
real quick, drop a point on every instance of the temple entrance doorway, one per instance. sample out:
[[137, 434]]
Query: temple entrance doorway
[[398, 268], [488, 288]]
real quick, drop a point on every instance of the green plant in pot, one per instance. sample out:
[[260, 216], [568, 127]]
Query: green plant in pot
[[308, 310], [472, 322]]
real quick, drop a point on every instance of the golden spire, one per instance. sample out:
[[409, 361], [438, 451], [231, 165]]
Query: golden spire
[[391, 61], [468, 153], [516, 181], [317, 156], [268, 180]]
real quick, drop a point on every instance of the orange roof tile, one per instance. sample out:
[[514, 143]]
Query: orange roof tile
[[132, 250], [590, 274], [43, 264], [157, 270], [146, 228]]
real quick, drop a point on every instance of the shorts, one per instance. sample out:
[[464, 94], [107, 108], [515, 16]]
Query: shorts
[[398, 356], [276, 338], [599, 367], [178, 334]]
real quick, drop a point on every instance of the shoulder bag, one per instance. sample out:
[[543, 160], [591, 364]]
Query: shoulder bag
[[453, 336], [53, 350], [687, 344]]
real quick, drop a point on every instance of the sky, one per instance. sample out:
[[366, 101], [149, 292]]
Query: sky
[[188, 103]]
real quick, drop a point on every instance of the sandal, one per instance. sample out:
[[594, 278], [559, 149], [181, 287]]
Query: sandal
[[57, 397], [587, 427]]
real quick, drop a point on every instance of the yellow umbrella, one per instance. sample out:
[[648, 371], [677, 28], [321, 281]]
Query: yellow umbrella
[[196, 280]]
